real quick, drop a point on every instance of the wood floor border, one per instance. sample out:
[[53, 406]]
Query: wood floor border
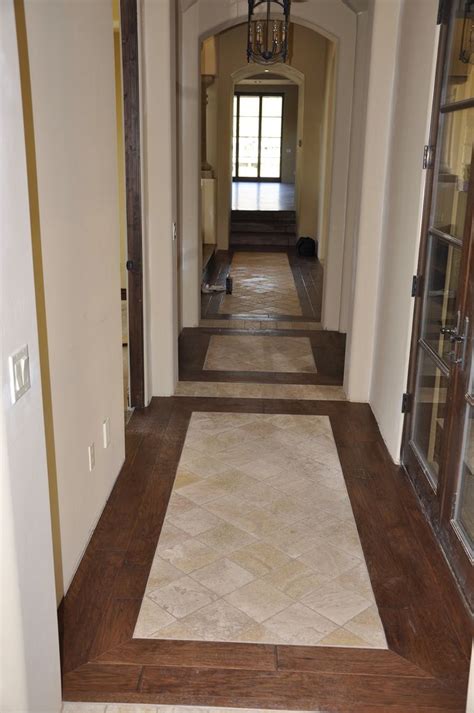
[[427, 628], [328, 350]]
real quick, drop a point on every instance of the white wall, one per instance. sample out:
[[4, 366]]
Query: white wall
[[29, 651], [402, 221], [72, 77], [160, 192], [361, 337]]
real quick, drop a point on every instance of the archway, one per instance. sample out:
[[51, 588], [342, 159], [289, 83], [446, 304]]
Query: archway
[[203, 19]]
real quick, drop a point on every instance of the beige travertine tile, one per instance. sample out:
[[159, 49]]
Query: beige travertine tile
[[368, 626], [275, 555], [259, 600], [259, 353], [334, 602], [152, 617], [219, 621], [263, 285], [343, 637], [300, 625], [300, 392], [328, 560], [295, 579], [161, 574], [182, 597], [357, 580], [189, 555], [194, 521], [226, 538], [223, 576], [259, 558], [83, 708]]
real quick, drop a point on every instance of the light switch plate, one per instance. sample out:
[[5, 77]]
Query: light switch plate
[[19, 373]]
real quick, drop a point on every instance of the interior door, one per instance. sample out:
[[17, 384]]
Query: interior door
[[438, 444]]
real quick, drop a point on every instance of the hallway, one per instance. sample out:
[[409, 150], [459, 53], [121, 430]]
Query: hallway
[[259, 548]]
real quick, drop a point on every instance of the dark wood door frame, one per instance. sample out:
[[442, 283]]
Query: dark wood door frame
[[133, 189], [437, 503]]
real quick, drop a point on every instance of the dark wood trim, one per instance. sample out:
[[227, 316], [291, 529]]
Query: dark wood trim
[[457, 106], [437, 501], [427, 629], [131, 113]]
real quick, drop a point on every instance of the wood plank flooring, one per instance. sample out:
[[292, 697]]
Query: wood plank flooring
[[428, 631]]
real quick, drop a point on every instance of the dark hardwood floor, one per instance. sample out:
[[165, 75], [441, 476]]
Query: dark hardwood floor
[[307, 274], [328, 351], [427, 628]]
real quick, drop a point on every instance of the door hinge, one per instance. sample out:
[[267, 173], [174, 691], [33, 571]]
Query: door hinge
[[416, 286], [428, 156], [406, 403]]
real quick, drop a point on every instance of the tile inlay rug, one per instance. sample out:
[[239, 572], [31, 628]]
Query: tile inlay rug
[[263, 284], [259, 353], [259, 542]]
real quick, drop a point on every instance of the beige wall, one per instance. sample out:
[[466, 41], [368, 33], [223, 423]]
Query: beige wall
[[73, 90], [308, 57], [402, 220], [29, 650], [290, 121]]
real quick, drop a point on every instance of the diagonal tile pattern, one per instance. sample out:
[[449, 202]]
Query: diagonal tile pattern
[[263, 285], [259, 542], [260, 353]]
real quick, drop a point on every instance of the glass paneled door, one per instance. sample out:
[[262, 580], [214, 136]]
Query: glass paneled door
[[438, 447], [257, 137]]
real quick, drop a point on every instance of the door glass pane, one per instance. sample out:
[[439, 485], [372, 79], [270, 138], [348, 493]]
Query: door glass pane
[[464, 512], [249, 129], [428, 418], [453, 171], [441, 292], [272, 106], [459, 84]]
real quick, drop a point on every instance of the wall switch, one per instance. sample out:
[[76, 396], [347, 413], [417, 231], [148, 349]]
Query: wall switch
[[91, 453], [19, 364], [106, 433]]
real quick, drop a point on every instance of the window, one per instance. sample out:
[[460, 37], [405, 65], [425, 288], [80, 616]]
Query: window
[[257, 137]]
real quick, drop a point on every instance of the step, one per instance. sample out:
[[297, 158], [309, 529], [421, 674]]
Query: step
[[262, 239]]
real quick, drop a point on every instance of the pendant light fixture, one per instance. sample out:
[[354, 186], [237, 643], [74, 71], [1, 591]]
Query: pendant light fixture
[[268, 31]]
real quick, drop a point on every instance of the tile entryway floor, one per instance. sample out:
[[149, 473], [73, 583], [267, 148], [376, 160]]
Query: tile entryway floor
[[259, 542], [260, 353], [263, 285]]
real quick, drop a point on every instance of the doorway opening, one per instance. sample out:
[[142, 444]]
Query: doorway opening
[[267, 173]]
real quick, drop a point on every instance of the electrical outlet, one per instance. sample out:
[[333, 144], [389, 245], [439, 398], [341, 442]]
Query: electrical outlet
[[19, 364], [106, 433], [91, 453]]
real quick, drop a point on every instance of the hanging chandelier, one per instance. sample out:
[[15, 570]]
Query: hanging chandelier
[[267, 36], [466, 54]]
